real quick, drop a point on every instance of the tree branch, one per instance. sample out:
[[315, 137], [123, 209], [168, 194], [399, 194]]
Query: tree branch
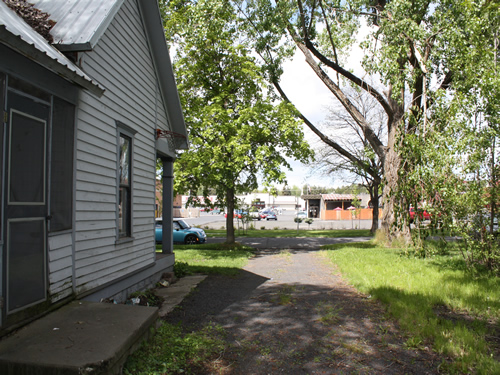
[[375, 142], [351, 77], [326, 139], [332, 44]]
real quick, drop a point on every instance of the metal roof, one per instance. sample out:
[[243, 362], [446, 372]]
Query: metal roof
[[79, 23], [18, 35], [79, 26], [337, 197]]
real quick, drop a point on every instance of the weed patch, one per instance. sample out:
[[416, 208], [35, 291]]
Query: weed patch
[[221, 262], [328, 312], [172, 352], [284, 296]]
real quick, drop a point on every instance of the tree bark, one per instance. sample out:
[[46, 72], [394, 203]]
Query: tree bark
[[230, 239], [374, 197], [391, 199]]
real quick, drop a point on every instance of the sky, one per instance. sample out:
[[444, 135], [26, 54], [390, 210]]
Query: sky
[[310, 96]]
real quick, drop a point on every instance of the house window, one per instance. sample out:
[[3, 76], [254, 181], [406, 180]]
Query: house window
[[125, 172], [125, 186]]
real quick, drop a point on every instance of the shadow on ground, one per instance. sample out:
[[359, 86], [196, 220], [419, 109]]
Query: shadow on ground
[[298, 328], [212, 296]]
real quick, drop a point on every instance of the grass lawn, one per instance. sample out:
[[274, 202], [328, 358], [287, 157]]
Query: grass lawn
[[219, 259], [326, 233], [435, 300]]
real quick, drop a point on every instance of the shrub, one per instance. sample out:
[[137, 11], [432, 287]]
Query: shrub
[[181, 269]]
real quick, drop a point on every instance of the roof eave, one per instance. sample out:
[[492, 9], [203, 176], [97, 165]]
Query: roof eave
[[31, 52], [163, 65], [81, 47]]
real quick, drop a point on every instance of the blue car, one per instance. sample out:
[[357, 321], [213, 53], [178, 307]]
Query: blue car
[[183, 232]]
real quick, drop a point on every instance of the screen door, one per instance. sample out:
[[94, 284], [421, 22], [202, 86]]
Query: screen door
[[26, 206]]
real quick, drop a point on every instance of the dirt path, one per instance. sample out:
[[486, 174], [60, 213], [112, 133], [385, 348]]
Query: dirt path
[[288, 313]]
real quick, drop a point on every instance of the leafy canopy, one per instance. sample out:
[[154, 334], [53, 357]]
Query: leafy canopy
[[237, 131]]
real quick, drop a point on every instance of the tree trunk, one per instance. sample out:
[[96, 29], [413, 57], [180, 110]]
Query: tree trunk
[[391, 200], [229, 219], [374, 197]]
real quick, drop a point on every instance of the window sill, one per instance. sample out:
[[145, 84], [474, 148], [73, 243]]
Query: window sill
[[122, 240]]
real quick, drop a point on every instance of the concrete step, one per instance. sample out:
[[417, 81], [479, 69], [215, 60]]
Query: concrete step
[[175, 293], [79, 338], [87, 337]]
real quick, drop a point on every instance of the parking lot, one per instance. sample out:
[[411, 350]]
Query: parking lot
[[285, 221]]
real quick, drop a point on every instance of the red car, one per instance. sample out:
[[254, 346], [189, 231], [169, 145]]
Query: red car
[[422, 214]]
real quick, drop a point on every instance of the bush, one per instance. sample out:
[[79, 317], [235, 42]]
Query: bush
[[181, 269]]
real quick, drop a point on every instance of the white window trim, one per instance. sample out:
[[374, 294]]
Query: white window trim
[[127, 131]]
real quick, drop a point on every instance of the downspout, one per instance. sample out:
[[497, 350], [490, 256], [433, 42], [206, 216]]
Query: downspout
[[168, 206]]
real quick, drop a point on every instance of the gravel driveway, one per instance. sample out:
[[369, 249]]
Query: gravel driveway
[[289, 312]]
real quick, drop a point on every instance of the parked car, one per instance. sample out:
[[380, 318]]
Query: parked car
[[422, 214], [271, 216], [215, 211], [238, 214], [302, 215], [264, 213], [183, 232], [255, 216]]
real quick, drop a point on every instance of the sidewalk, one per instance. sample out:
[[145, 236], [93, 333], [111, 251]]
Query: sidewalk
[[86, 337]]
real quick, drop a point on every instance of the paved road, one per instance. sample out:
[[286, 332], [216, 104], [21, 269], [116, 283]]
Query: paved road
[[304, 243], [285, 221]]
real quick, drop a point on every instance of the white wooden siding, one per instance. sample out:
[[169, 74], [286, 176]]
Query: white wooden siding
[[122, 63], [60, 266]]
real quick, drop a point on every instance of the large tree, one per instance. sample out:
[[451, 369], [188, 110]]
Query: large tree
[[237, 131], [423, 51], [367, 170]]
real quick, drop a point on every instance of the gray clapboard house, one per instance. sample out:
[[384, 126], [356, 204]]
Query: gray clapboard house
[[81, 115]]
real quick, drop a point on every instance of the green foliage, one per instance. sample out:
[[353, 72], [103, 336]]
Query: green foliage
[[237, 131], [434, 60], [313, 189], [170, 351], [435, 300], [449, 152], [181, 269], [221, 262], [450, 171]]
